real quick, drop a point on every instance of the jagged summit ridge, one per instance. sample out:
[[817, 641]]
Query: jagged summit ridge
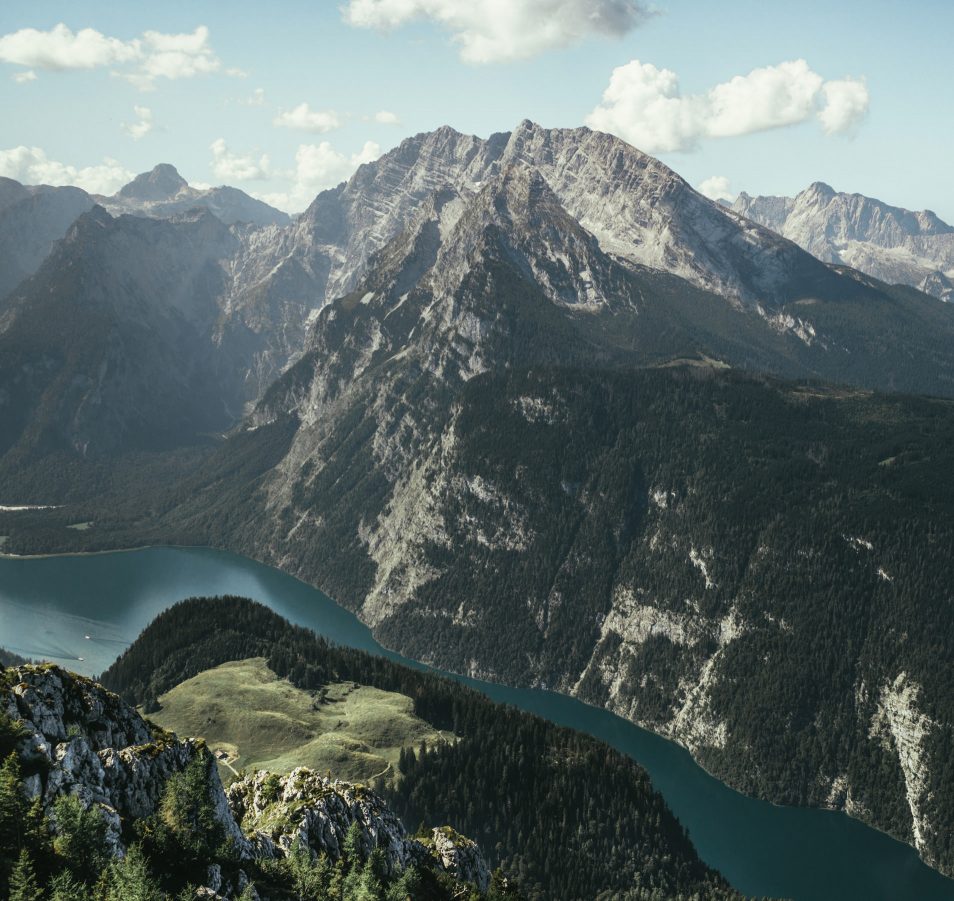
[[633, 204], [891, 243]]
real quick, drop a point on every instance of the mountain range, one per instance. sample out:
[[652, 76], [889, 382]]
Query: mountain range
[[637, 265], [33, 218], [535, 380], [888, 242]]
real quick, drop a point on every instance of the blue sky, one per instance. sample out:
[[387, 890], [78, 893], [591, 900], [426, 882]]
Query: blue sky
[[868, 110]]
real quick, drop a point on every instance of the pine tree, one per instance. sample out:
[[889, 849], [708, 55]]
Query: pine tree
[[80, 837], [12, 811], [23, 884], [353, 846], [65, 887], [11, 731], [130, 879]]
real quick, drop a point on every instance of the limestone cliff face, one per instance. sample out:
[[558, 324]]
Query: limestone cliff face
[[304, 807], [90, 744], [82, 740]]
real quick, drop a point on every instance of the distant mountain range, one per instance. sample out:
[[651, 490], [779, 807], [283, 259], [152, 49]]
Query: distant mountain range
[[33, 218], [163, 193], [888, 242]]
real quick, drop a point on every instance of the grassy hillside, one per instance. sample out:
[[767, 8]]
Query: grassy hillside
[[262, 722]]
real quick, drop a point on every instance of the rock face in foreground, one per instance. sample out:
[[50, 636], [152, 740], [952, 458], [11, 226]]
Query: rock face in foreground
[[460, 856], [278, 811], [85, 741], [80, 739]]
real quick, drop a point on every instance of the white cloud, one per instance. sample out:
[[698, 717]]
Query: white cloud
[[496, 30], [770, 97], [846, 104], [176, 56], [256, 98], [386, 117], [140, 61], [716, 187], [644, 105], [31, 166], [232, 167], [317, 167], [60, 48], [303, 118], [143, 124], [24, 77]]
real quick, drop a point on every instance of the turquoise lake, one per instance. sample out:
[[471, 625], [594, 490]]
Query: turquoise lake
[[82, 611]]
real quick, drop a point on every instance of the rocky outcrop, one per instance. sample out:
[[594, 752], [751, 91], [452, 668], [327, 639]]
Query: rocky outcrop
[[460, 856], [80, 739], [904, 728], [316, 812], [278, 811]]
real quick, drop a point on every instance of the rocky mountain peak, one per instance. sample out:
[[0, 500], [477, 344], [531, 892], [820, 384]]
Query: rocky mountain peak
[[821, 190], [519, 197], [888, 242], [162, 182]]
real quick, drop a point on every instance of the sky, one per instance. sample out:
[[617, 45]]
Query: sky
[[285, 100]]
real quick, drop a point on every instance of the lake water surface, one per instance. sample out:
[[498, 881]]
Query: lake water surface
[[82, 611]]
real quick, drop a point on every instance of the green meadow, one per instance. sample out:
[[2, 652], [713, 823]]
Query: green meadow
[[259, 721]]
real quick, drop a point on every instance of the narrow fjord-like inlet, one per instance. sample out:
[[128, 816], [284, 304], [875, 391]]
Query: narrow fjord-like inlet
[[82, 611]]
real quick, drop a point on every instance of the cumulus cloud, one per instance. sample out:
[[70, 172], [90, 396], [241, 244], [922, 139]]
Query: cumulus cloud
[[304, 118], [846, 104], [232, 167], [498, 30], [386, 117], [256, 98], [24, 77], [644, 105], [143, 124], [716, 187], [31, 166], [141, 60], [60, 48], [176, 56], [319, 166]]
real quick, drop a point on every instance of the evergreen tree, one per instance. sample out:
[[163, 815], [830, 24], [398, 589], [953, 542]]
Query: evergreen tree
[[309, 875], [130, 879], [11, 731], [80, 837], [23, 884], [186, 809], [12, 811], [353, 846], [65, 887]]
